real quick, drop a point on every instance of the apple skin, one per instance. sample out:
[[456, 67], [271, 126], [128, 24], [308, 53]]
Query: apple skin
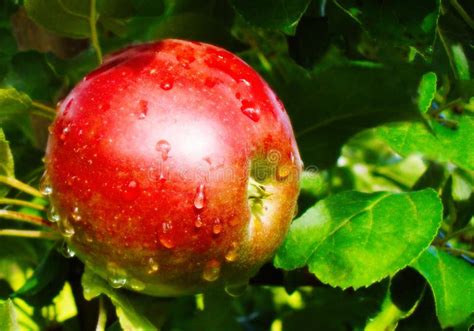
[[172, 168]]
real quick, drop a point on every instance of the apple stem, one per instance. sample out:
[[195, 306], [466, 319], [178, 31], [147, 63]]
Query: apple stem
[[30, 234], [22, 217], [15, 183], [7, 201]]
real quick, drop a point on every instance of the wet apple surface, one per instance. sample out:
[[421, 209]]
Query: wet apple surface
[[172, 168]]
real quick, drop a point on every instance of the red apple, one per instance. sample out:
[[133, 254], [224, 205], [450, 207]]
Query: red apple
[[171, 168]]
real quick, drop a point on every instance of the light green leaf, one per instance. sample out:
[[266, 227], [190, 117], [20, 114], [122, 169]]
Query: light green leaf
[[274, 14], [8, 320], [135, 311], [353, 239], [444, 144], [426, 91], [65, 17], [452, 282], [6, 158], [460, 62], [13, 102]]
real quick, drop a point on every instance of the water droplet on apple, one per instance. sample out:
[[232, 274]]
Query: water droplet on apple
[[283, 172], [198, 222], [167, 242], [164, 148], [131, 190], [211, 271], [65, 227], [117, 280], [66, 250], [153, 266], [199, 197], [166, 85], [52, 214], [236, 290], [234, 222], [232, 255], [217, 226], [250, 110], [68, 106], [45, 186], [143, 111], [76, 215], [245, 82], [64, 133], [292, 158]]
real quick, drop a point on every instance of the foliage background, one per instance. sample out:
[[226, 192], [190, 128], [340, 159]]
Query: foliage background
[[381, 98]]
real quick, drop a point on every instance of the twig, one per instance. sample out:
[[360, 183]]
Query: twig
[[45, 110], [465, 16], [102, 319], [16, 202], [15, 183], [458, 252], [17, 216], [30, 234], [93, 26], [454, 234]]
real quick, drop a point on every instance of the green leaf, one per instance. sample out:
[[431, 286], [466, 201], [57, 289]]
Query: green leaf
[[12, 103], [46, 282], [354, 239], [6, 161], [8, 320], [426, 91], [336, 310], [273, 14], [329, 106], [452, 281], [13, 110], [397, 23], [68, 18], [135, 311], [460, 62], [442, 143]]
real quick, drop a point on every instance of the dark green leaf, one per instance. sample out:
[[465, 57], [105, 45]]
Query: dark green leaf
[[354, 239], [397, 23], [65, 17], [46, 282], [330, 106], [452, 282], [274, 14]]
